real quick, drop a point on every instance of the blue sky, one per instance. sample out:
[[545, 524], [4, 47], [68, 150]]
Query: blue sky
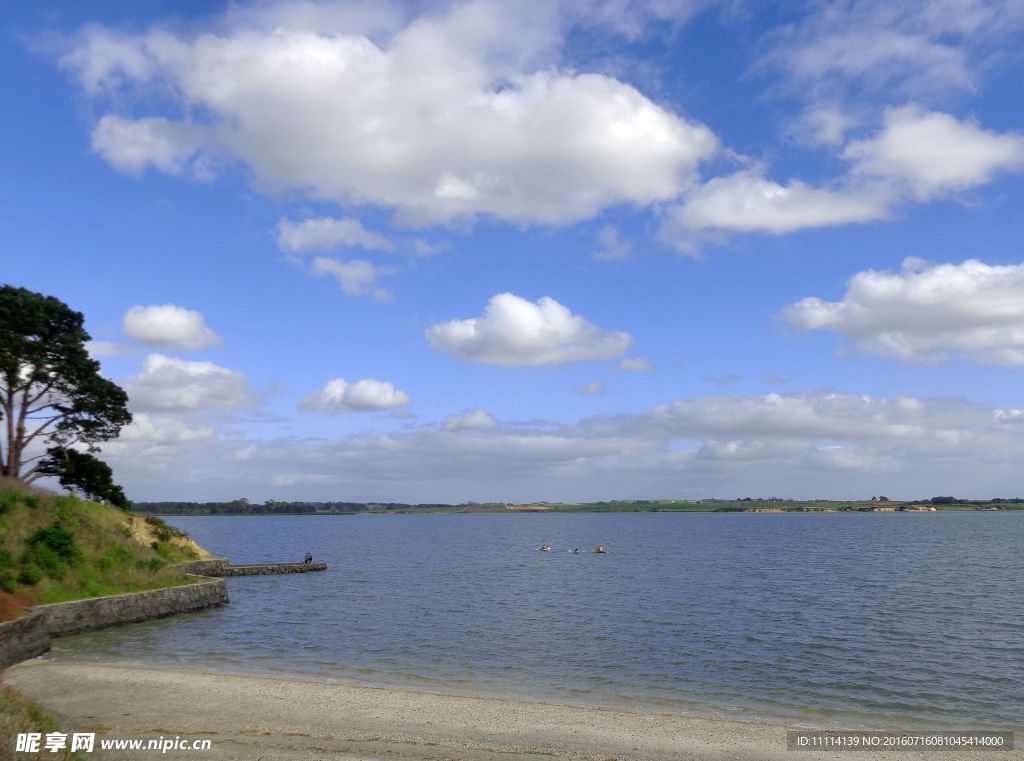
[[524, 251]]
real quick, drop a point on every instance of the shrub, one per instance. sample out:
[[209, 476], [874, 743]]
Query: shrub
[[163, 531], [30, 575], [164, 550], [51, 548], [7, 501], [115, 558]]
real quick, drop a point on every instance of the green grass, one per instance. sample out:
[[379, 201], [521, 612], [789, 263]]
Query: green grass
[[54, 549], [19, 714]]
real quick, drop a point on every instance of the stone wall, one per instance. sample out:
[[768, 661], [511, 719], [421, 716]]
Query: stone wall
[[265, 569], [29, 636], [212, 567], [23, 638], [99, 612]]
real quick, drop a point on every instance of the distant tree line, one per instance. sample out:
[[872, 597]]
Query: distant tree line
[[273, 507]]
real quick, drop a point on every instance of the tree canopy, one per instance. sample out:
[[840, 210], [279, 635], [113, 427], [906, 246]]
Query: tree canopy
[[82, 471], [51, 392]]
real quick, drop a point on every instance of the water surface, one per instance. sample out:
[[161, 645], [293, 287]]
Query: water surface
[[867, 619]]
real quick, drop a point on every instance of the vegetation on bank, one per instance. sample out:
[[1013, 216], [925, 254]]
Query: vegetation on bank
[[19, 714], [57, 548], [747, 504]]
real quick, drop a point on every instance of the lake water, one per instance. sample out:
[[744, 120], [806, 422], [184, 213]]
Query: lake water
[[866, 619]]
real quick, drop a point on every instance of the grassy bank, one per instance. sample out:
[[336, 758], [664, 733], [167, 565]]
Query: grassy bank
[[56, 548], [19, 714]]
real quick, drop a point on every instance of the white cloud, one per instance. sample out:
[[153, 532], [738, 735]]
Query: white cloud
[[933, 153], [325, 233], [366, 395], [101, 349], [809, 416], [515, 332], [927, 312], [176, 385], [132, 145], [749, 202], [808, 444], [169, 327], [917, 155], [162, 430], [918, 48], [613, 247], [356, 277], [751, 450], [461, 112], [637, 365], [591, 388], [476, 420], [822, 124]]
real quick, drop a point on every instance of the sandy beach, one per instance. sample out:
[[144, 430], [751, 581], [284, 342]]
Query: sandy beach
[[263, 718]]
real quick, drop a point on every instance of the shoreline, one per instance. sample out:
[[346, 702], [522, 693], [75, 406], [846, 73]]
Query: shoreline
[[250, 717]]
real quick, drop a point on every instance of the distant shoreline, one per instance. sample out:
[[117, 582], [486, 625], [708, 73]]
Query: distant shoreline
[[790, 508]]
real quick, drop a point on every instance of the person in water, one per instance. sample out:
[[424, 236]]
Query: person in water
[[599, 549], [576, 551], [545, 547]]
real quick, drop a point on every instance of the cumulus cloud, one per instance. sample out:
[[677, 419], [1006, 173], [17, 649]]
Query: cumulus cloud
[[515, 332], [591, 388], [637, 365], [162, 430], [167, 384], [367, 395], [476, 420], [356, 277], [747, 201], [326, 233], [928, 312], [916, 156], [169, 327], [132, 145], [934, 153], [442, 118]]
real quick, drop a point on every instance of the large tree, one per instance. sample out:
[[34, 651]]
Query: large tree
[[51, 391]]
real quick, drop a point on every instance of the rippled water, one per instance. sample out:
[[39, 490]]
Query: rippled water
[[867, 618]]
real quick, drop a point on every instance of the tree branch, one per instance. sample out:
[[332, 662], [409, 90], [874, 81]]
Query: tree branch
[[39, 396]]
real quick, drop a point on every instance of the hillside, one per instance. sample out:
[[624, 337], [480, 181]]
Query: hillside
[[56, 548]]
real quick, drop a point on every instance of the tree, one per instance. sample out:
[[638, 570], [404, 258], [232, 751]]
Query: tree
[[85, 472], [51, 391]]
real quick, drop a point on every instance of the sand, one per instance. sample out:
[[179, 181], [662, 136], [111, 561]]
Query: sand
[[264, 718]]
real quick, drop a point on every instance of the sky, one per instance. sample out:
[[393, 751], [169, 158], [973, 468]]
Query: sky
[[519, 251]]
